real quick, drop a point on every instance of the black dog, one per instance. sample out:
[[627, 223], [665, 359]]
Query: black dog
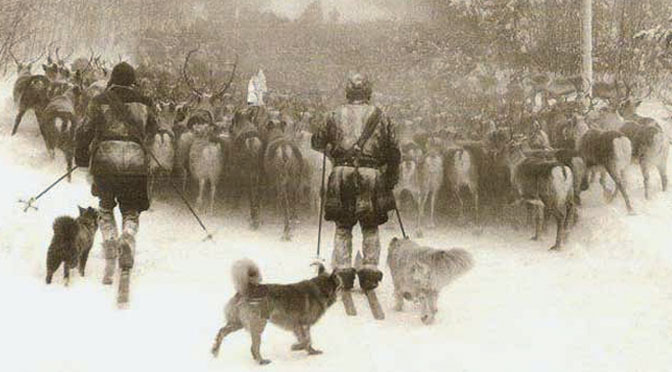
[[71, 243]]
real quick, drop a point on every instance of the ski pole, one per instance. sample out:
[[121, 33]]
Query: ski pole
[[401, 224], [29, 203], [208, 235]]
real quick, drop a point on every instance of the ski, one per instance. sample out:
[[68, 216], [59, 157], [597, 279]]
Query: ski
[[374, 304], [348, 304], [124, 284]]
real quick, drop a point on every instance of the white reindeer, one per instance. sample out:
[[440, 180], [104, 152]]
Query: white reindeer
[[162, 148], [205, 162]]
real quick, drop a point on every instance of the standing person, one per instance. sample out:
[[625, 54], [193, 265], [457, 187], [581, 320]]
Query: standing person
[[111, 143], [363, 145]]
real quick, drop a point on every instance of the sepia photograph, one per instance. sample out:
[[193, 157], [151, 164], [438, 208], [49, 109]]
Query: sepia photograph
[[335, 185]]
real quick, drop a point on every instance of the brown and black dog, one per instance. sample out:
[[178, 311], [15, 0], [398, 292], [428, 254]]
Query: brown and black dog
[[295, 307]]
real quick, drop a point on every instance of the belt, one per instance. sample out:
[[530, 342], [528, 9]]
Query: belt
[[361, 163]]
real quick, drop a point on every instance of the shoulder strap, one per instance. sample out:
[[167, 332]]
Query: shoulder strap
[[124, 115], [369, 128]]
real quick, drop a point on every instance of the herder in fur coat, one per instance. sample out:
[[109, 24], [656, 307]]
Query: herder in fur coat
[[110, 142], [363, 146]]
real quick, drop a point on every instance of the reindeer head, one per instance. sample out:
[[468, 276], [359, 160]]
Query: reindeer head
[[202, 94]]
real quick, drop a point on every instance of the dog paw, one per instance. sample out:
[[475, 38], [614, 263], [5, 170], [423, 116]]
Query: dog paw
[[312, 351], [534, 238], [215, 352], [263, 362]]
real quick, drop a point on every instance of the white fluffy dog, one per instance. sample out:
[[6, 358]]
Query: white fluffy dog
[[419, 273]]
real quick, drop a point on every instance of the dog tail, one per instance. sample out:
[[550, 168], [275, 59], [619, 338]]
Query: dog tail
[[65, 229], [245, 273], [458, 261]]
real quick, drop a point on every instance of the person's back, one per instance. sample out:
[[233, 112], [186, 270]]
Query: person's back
[[111, 143], [363, 145]]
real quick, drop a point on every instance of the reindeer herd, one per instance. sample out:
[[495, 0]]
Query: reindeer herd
[[263, 155], [546, 171]]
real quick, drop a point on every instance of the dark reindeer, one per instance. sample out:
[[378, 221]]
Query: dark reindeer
[[67, 108], [462, 176], [246, 160], [650, 147], [283, 168], [30, 91], [610, 149], [543, 186]]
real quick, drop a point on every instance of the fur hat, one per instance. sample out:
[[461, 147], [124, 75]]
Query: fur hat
[[358, 88], [122, 74]]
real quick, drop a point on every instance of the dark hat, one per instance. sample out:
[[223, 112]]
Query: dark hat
[[123, 74]]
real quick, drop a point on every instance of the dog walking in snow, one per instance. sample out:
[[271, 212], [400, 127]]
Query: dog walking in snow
[[71, 243], [294, 307], [419, 273]]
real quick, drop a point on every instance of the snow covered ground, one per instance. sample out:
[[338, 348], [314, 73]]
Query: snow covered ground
[[602, 304]]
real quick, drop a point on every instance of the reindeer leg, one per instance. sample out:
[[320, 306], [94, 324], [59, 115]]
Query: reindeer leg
[[645, 167], [17, 120], [253, 195], [213, 191], [432, 204], [150, 186], [201, 189], [461, 208], [477, 212], [619, 179], [287, 213], [662, 170], [560, 233], [538, 219], [46, 132], [420, 203]]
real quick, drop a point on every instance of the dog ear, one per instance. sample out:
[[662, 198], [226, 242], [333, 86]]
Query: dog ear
[[336, 279], [81, 210]]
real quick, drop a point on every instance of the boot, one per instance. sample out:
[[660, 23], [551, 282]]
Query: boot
[[111, 251], [108, 229], [341, 256], [369, 277], [126, 251], [127, 241]]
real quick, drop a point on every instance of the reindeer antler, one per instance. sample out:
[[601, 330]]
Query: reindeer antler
[[60, 60], [187, 80], [228, 83]]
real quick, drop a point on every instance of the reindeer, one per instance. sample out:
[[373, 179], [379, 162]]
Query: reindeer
[[205, 162], [431, 179], [409, 179], [462, 174], [611, 150], [30, 91], [247, 154], [57, 73], [649, 144], [162, 147], [541, 185], [283, 167], [313, 168], [67, 108]]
